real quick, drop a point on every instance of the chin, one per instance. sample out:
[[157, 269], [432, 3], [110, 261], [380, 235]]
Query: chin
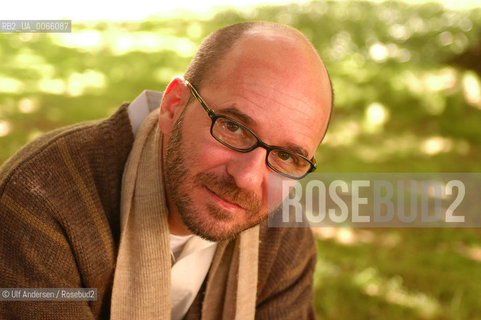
[[210, 227]]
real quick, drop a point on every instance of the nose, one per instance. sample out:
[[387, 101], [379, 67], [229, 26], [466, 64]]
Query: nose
[[248, 169]]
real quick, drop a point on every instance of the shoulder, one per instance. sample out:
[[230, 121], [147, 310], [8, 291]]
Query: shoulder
[[286, 244], [69, 172]]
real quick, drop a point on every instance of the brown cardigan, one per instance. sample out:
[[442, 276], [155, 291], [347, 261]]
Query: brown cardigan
[[59, 223]]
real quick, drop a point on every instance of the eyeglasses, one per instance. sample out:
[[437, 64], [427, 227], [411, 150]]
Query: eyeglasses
[[236, 136]]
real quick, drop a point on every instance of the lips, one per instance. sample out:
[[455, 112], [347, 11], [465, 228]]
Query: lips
[[226, 191], [225, 202]]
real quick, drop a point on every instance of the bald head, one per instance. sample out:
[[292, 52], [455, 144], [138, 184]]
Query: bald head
[[218, 44], [285, 51]]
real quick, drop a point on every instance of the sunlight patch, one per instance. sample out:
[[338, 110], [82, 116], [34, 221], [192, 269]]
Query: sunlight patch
[[54, 86], [435, 145], [391, 290], [79, 82], [10, 85], [26, 105], [472, 89], [375, 116], [5, 128]]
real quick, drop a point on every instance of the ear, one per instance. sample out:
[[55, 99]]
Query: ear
[[173, 102]]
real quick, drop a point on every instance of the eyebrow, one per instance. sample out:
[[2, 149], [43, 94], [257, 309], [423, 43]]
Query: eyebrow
[[233, 111], [298, 149]]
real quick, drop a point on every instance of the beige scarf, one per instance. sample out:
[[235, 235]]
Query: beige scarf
[[141, 287]]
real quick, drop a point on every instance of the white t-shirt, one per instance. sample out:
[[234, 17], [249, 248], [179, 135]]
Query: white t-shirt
[[192, 257], [177, 243]]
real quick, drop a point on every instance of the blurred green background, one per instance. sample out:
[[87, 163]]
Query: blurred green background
[[407, 79]]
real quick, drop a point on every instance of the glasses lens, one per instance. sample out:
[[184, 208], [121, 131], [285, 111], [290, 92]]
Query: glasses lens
[[233, 133], [288, 162]]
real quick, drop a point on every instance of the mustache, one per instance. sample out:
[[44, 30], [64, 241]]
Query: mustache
[[227, 189]]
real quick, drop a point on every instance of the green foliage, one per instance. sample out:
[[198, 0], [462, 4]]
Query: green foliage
[[403, 104], [406, 274]]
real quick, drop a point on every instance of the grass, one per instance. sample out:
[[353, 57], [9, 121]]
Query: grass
[[399, 274]]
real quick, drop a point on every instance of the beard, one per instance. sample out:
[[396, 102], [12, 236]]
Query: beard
[[217, 224]]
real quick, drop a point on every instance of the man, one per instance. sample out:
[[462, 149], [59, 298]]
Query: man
[[164, 212]]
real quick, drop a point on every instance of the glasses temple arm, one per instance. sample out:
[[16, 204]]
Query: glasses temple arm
[[201, 101]]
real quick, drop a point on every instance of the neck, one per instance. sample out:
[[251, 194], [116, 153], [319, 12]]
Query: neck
[[176, 225]]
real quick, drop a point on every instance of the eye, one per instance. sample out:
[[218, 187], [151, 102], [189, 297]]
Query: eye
[[286, 156], [231, 126]]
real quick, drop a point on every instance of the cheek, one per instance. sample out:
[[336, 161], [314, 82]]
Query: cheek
[[278, 189], [201, 148], [202, 152]]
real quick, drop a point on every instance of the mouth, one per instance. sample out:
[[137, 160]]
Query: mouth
[[226, 204]]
